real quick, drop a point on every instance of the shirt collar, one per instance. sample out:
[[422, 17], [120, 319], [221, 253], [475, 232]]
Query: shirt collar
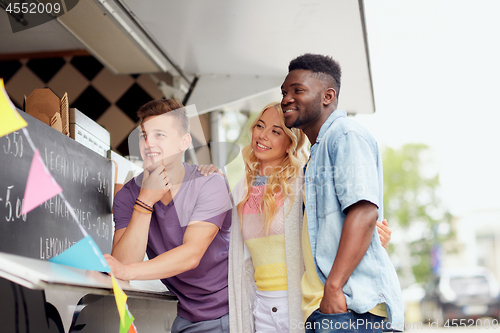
[[326, 125]]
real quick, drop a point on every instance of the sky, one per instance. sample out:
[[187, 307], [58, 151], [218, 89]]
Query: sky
[[436, 77]]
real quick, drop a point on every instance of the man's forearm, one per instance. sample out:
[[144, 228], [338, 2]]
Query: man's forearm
[[183, 258], [130, 246], [357, 233], [176, 261]]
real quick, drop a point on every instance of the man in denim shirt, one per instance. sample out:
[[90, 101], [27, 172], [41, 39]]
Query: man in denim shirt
[[350, 282]]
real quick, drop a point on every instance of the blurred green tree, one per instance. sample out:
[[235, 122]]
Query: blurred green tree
[[414, 210]]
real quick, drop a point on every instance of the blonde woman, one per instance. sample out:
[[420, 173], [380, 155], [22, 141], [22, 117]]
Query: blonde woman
[[265, 255]]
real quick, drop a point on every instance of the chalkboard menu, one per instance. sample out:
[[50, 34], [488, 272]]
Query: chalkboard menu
[[49, 229]]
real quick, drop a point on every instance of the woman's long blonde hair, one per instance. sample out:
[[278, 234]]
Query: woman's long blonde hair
[[280, 180]]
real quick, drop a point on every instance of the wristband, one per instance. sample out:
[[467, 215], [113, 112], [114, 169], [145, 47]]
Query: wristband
[[142, 210], [142, 206], [142, 203]]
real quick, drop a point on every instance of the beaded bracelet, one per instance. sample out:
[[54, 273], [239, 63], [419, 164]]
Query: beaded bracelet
[[142, 210]]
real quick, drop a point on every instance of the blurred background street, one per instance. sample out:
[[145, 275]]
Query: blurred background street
[[434, 72]]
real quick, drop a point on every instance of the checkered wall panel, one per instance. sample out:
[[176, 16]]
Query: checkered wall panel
[[111, 100]]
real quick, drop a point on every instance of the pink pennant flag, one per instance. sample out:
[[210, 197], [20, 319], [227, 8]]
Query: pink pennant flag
[[40, 186]]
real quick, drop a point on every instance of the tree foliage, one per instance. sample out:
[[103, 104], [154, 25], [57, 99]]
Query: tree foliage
[[413, 208]]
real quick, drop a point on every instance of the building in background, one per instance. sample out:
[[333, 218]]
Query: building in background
[[478, 237]]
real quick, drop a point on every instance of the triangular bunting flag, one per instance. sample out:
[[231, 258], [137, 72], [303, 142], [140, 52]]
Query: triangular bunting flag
[[121, 300], [40, 186], [124, 326], [132, 329], [10, 120], [84, 254]]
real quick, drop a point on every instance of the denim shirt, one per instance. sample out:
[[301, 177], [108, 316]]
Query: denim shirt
[[345, 167]]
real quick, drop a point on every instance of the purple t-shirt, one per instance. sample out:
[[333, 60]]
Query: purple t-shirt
[[202, 292]]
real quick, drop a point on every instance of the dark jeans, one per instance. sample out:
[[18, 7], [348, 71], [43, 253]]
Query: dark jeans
[[348, 322]]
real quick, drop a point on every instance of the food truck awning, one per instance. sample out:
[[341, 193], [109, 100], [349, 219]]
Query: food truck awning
[[236, 52]]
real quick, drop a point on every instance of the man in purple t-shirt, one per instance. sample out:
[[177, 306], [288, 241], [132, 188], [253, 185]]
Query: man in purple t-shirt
[[180, 218]]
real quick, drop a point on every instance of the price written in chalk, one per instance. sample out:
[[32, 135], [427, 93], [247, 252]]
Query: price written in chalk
[[13, 144], [12, 206], [104, 185]]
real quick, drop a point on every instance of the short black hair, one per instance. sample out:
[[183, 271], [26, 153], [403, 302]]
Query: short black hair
[[319, 64]]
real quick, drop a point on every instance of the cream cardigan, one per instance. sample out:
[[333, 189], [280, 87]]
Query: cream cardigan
[[241, 273]]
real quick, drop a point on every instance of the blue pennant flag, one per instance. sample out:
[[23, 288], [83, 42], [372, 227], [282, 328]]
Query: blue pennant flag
[[84, 254]]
